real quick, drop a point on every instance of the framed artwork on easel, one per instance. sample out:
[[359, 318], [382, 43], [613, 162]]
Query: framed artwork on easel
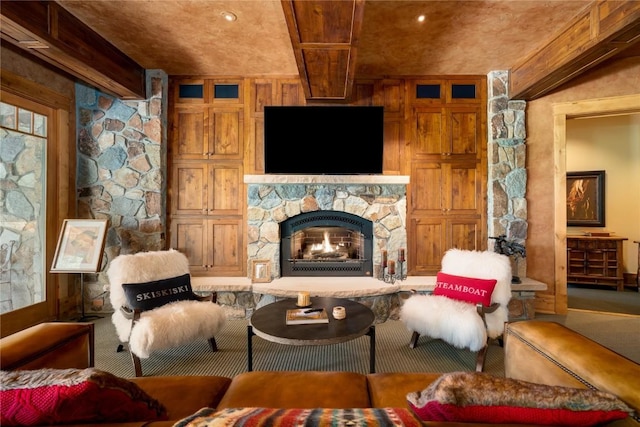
[[80, 246]]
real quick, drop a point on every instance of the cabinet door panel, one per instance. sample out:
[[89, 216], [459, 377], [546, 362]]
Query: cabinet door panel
[[190, 238], [429, 245], [191, 133], [190, 187], [464, 188], [464, 129], [428, 132], [227, 246], [227, 189], [464, 234], [427, 186], [227, 133]]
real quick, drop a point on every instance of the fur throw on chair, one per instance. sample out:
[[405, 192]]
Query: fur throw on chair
[[169, 325], [457, 322]]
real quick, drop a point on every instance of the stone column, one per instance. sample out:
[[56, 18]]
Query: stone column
[[121, 173], [506, 152]]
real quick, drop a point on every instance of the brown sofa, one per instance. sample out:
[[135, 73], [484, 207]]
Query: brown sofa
[[535, 351]]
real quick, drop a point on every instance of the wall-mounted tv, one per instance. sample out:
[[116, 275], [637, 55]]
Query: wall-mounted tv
[[325, 140]]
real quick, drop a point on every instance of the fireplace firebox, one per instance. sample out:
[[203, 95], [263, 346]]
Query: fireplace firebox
[[326, 243]]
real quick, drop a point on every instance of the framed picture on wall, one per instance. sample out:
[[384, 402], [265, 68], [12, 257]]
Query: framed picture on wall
[[80, 246], [585, 199]]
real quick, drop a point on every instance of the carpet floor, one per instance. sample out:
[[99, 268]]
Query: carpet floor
[[392, 354], [608, 300], [620, 333]]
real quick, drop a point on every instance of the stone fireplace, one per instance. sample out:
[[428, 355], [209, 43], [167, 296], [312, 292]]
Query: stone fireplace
[[360, 215]]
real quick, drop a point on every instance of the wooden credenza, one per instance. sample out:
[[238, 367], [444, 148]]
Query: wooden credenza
[[595, 261]]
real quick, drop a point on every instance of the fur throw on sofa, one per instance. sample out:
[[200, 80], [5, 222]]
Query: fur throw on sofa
[[457, 322], [170, 325]]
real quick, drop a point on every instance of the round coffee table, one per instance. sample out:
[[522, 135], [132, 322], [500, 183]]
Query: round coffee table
[[269, 323]]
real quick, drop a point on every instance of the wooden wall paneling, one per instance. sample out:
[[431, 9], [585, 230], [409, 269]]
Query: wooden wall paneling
[[289, 92], [363, 93], [393, 146], [390, 93]]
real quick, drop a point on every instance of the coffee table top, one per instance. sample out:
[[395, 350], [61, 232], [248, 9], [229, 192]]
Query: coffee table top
[[268, 322]]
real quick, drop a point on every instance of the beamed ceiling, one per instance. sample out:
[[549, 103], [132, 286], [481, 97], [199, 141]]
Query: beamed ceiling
[[329, 44]]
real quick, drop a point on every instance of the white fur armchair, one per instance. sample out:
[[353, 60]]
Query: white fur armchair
[[152, 279], [460, 323]]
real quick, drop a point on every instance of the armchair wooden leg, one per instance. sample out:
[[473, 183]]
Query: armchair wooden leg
[[213, 344], [136, 364], [481, 357], [414, 339]]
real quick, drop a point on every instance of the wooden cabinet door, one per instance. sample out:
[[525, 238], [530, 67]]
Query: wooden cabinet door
[[190, 236], [212, 246], [190, 133], [226, 189], [427, 244], [446, 188], [432, 237], [226, 246], [463, 131], [189, 188], [227, 133], [447, 132]]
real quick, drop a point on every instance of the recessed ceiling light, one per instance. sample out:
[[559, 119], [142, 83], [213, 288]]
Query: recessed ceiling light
[[421, 18], [229, 16]]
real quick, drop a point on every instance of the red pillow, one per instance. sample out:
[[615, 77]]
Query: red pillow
[[466, 289], [481, 398], [73, 396]]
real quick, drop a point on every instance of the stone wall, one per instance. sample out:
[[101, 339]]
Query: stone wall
[[507, 174], [121, 173]]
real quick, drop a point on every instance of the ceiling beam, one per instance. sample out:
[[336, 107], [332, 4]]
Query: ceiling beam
[[48, 31], [603, 30], [325, 36]]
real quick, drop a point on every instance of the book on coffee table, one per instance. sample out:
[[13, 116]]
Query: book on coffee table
[[305, 316]]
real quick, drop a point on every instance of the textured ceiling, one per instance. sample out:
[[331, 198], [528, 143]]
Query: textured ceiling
[[458, 37]]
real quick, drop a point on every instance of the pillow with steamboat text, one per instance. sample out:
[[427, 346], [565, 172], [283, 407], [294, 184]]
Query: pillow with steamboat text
[[73, 396], [481, 398], [466, 289], [149, 295]]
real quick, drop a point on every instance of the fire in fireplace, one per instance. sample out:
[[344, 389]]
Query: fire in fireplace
[[326, 243]]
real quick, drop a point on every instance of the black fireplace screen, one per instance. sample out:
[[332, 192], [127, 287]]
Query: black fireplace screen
[[326, 243]]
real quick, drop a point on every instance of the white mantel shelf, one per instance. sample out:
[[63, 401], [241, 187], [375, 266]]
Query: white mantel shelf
[[341, 287], [326, 179]]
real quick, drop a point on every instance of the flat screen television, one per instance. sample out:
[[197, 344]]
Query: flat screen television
[[323, 140]]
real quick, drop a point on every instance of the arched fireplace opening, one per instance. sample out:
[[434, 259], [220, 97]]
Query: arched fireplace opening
[[326, 243]]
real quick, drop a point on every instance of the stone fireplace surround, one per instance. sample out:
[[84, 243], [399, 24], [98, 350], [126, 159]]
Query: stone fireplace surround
[[272, 199]]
